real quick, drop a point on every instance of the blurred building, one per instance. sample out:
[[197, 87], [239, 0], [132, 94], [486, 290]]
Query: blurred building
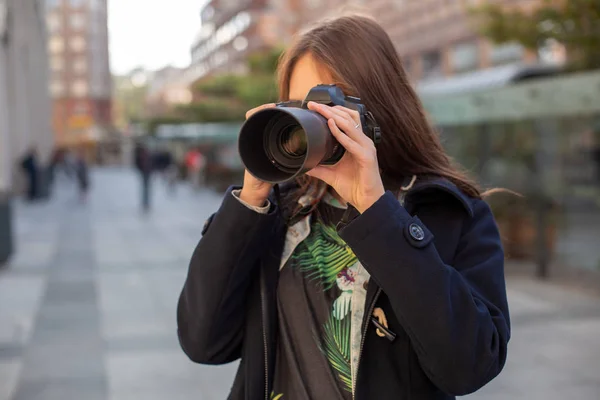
[[437, 38], [24, 101], [233, 29], [80, 79], [167, 88]]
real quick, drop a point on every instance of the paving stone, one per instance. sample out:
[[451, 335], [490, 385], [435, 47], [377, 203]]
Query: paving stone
[[9, 376], [63, 389]]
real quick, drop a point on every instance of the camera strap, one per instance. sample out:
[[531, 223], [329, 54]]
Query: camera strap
[[374, 128], [348, 216]]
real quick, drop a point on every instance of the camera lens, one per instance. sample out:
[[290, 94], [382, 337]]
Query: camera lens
[[278, 144], [293, 141]]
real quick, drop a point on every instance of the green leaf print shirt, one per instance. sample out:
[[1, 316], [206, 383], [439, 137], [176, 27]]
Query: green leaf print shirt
[[315, 295]]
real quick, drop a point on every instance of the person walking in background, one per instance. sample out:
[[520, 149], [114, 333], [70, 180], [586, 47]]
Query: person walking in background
[[164, 163], [30, 166], [195, 162], [82, 175], [57, 159], [143, 163], [171, 171]]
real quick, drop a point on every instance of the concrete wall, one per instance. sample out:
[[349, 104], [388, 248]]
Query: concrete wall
[[24, 99]]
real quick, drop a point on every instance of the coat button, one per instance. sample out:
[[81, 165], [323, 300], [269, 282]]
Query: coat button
[[416, 232]]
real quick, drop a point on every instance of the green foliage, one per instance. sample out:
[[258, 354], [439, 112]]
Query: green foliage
[[227, 97], [213, 110], [219, 86], [573, 23], [264, 63], [256, 90]]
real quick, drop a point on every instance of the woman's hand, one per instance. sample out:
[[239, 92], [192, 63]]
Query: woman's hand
[[356, 176], [255, 191]]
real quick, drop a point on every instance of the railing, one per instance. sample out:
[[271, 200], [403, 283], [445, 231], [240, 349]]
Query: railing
[[541, 139]]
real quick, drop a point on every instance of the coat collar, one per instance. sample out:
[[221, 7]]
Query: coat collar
[[423, 185]]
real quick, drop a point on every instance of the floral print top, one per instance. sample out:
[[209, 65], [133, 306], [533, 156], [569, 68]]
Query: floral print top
[[321, 296]]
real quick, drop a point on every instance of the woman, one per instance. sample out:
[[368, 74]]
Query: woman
[[406, 300]]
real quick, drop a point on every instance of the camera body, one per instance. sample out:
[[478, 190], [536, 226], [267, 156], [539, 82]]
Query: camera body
[[278, 144]]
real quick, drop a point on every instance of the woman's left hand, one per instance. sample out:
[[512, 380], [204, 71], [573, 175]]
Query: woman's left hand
[[356, 176]]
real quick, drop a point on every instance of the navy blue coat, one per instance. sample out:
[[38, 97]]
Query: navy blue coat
[[437, 271]]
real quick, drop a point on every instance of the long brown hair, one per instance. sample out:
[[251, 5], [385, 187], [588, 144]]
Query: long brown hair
[[362, 60]]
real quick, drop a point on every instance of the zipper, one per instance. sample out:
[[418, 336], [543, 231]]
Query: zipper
[[362, 340], [263, 307]]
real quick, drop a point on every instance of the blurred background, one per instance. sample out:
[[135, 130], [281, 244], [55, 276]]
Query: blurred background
[[118, 129]]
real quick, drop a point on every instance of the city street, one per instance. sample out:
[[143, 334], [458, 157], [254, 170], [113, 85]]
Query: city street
[[87, 307]]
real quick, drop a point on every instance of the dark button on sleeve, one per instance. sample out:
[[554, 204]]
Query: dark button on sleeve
[[416, 233]]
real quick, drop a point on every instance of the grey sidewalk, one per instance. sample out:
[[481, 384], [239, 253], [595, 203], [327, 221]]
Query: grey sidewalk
[[87, 308]]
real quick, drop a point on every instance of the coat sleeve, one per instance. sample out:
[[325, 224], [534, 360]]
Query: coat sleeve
[[455, 315], [211, 311]]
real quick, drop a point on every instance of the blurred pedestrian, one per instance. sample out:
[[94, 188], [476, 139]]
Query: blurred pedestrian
[[195, 162], [30, 165], [82, 175], [378, 277], [164, 164], [170, 172], [143, 163]]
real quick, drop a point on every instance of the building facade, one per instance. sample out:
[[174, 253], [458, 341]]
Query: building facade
[[24, 101], [232, 29], [438, 38], [80, 80], [435, 38], [167, 88]]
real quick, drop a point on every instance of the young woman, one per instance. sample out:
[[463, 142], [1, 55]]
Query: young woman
[[406, 300]]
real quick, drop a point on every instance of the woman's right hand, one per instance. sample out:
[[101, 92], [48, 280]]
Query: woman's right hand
[[255, 191]]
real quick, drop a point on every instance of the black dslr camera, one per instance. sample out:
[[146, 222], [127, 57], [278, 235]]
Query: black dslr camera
[[281, 143]]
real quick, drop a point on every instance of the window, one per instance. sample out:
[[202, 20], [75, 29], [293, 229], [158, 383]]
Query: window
[[57, 63], [77, 21], [465, 57], [506, 54], [80, 108], [208, 13], [79, 88], [80, 65], [77, 3], [240, 43], [53, 22], [77, 43], [432, 64], [50, 4], [56, 44], [56, 88]]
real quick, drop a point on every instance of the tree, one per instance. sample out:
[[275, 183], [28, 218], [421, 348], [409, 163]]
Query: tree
[[213, 110], [219, 86], [572, 23], [227, 97]]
